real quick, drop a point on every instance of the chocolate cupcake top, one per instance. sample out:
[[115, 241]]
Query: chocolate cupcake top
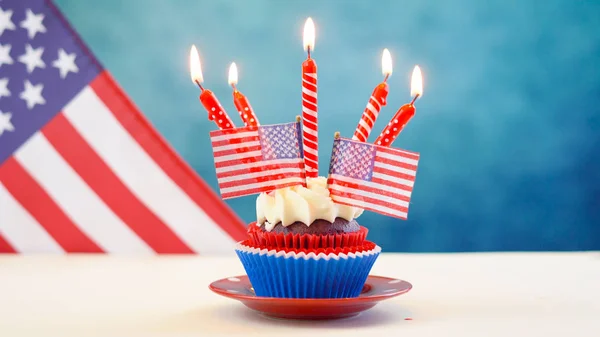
[[304, 205], [320, 227]]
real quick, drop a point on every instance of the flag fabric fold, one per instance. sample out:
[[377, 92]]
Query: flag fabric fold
[[372, 177], [255, 159], [81, 168]]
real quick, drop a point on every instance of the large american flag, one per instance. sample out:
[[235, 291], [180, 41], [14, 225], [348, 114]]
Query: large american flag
[[252, 159], [81, 169], [376, 178]]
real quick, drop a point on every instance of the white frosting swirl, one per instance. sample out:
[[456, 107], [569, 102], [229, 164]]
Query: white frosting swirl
[[299, 203]]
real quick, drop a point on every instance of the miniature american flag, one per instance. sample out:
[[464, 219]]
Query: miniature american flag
[[81, 169], [252, 159], [375, 178]]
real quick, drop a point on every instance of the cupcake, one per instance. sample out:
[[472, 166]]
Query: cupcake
[[303, 245]]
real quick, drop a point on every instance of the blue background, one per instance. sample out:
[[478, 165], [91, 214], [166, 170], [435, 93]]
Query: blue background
[[508, 127]]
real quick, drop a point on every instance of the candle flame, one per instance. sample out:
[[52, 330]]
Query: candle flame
[[233, 74], [416, 83], [309, 35], [195, 67], [386, 62]]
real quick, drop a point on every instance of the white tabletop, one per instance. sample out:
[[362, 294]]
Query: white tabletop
[[516, 294]]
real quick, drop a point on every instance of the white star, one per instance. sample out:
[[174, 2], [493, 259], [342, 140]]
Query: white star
[[65, 63], [4, 92], [5, 55], [32, 94], [33, 23], [5, 21], [5, 124], [32, 58]]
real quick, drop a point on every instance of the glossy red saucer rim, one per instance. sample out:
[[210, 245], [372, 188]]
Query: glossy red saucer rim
[[400, 287]]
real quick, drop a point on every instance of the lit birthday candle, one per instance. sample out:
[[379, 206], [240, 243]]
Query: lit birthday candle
[[310, 125], [215, 110], [404, 114], [240, 101], [377, 100]]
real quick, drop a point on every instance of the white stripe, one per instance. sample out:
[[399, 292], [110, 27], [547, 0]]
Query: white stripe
[[309, 102], [394, 179], [234, 136], [376, 102], [309, 92], [365, 125], [308, 82], [257, 185], [309, 111], [21, 230], [143, 176], [310, 131], [372, 195], [252, 165], [361, 133], [235, 146], [311, 150], [238, 156], [373, 110], [363, 204], [398, 158], [395, 168], [76, 198], [313, 75], [371, 184], [265, 173]]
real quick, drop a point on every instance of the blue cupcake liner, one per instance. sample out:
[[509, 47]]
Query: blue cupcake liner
[[299, 275]]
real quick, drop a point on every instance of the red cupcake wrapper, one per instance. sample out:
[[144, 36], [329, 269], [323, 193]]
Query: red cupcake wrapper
[[270, 240], [365, 246]]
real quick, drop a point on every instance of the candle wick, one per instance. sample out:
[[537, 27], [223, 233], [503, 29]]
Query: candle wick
[[386, 77], [308, 50], [414, 99], [234, 88], [199, 85]]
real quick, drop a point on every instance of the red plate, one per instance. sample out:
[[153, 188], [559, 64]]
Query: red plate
[[376, 289]]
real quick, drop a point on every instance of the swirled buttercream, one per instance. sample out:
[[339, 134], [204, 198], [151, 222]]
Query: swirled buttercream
[[299, 203]]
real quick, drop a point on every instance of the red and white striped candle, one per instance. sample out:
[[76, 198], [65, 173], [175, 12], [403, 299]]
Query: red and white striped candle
[[215, 110], [310, 124], [377, 100], [240, 101], [404, 114]]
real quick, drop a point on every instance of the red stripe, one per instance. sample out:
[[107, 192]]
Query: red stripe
[[396, 152], [310, 157], [313, 139], [310, 121], [361, 133], [257, 169], [44, 210], [221, 132], [161, 152], [256, 190], [309, 99], [396, 163], [5, 247], [394, 174], [310, 86], [262, 179], [391, 184], [238, 161], [240, 150], [371, 201], [364, 187], [98, 175], [235, 141], [309, 105]]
